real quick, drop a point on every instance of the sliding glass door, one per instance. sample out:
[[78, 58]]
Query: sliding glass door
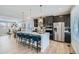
[[4, 28]]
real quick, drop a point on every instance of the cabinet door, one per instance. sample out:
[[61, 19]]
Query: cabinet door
[[35, 22]]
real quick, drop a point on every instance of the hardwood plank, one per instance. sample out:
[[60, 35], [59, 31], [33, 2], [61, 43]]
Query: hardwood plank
[[8, 45]]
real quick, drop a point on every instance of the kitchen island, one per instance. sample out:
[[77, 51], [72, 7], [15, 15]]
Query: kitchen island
[[44, 38]]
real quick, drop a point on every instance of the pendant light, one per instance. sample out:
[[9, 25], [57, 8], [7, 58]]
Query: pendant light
[[40, 18], [40, 11], [23, 16], [30, 12], [23, 21], [29, 15], [40, 21]]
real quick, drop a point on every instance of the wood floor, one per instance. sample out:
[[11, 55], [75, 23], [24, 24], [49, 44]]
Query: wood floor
[[8, 45]]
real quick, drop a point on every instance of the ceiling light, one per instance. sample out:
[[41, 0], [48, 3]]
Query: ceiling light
[[60, 9]]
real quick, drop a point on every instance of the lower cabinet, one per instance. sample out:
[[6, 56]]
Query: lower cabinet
[[67, 37]]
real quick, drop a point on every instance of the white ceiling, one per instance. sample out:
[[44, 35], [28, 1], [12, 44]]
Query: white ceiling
[[16, 11]]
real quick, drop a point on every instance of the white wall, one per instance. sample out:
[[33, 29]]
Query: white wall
[[75, 28]]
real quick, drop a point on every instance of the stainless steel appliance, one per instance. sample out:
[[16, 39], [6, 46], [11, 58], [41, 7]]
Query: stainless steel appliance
[[59, 31]]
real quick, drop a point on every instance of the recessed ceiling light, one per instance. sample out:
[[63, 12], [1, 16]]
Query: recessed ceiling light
[[60, 8], [60, 16]]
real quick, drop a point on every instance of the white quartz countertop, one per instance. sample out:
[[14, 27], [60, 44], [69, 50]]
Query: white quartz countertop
[[35, 33]]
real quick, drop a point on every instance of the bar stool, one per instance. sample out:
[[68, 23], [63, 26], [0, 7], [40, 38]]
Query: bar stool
[[27, 38], [37, 39], [22, 37], [19, 36]]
